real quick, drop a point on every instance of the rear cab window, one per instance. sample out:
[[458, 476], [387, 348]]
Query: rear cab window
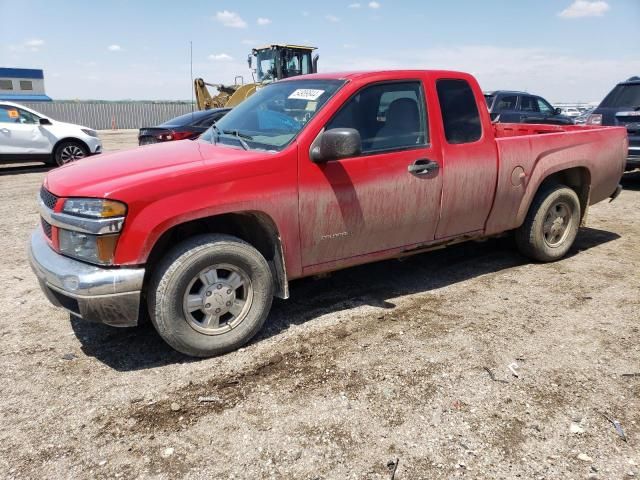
[[460, 116]]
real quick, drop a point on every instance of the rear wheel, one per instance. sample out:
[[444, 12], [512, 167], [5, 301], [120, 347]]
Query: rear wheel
[[551, 225], [69, 151], [210, 295]]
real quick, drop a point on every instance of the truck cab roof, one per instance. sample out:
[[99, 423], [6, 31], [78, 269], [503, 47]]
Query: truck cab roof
[[358, 74], [511, 92]]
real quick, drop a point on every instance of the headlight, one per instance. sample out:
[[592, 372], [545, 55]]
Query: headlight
[[91, 133], [90, 248], [94, 208]]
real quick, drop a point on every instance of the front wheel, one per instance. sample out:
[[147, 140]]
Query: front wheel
[[69, 151], [551, 225], [210, 295]]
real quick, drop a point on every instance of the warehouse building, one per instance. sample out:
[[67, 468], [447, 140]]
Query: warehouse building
[[22, 85]]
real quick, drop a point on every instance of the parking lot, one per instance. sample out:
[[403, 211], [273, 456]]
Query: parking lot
[[467, 362]]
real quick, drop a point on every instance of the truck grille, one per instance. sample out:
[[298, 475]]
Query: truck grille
[[46, 227], [48, 198]]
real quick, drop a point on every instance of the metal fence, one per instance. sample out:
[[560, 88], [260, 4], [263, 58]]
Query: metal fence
[[103, 116]]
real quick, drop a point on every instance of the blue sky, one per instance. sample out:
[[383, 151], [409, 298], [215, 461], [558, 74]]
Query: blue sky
[[565, 50]]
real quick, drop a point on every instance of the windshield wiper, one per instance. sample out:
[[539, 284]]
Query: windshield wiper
[[240, 137]]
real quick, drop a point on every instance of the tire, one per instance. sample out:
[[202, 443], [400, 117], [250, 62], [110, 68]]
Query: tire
[[551, 225], [69, 151], [225, 316]]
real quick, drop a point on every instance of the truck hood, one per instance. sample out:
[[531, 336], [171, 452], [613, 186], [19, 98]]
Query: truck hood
[[108, 174]]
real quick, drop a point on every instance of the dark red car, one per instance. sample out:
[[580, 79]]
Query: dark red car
[[187, 126]]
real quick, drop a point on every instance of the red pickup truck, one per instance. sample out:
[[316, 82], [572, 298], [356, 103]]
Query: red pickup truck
[[308, 175]]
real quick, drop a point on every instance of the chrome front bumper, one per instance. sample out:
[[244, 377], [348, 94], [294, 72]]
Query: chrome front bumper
[[105, 295]]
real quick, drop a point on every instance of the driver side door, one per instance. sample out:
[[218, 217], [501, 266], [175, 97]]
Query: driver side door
[[371, 202]]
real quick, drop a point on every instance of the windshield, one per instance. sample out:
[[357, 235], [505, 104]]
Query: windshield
[[266, 65], [627, 96], [272, 117]]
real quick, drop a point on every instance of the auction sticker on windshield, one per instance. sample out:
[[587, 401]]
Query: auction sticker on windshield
[[306, 94]]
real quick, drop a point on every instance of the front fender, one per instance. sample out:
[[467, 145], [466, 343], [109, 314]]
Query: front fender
[[273, 194]]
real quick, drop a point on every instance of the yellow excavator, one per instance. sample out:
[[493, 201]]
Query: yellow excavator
[[272, 62]]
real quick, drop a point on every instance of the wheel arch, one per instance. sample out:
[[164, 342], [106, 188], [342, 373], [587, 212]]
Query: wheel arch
[[254, 227], [69, 139], [577, 178]]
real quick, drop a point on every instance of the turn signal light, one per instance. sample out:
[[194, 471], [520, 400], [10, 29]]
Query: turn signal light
[[106, 247]]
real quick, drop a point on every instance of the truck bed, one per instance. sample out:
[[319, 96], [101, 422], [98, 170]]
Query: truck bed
[[502, 130], [528, 153]]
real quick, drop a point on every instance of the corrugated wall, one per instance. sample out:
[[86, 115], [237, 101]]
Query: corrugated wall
[[103, 116]]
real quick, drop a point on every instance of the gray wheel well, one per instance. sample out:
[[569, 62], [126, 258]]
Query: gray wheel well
[[255, 228], [578, 179], [69, 139]]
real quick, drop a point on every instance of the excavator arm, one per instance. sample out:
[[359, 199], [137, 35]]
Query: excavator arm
[[205, 101]]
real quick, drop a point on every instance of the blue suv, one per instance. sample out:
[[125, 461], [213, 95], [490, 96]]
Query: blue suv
[[507, 106]]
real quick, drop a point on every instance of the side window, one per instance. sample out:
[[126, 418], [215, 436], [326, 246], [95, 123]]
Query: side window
[[6, 85], [507, 102], [8, 114], [460, 115], [26, 117], [306, 63], [544, 107], [528, 104], [16, 115], [26, 85], [292, 66], [389, 116], [389, 97]]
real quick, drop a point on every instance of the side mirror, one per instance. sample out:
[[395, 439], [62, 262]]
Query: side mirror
[[335, 144], [45, 121], [558, 111]]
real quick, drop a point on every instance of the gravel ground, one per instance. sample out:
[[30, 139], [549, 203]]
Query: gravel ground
[[396, 360]]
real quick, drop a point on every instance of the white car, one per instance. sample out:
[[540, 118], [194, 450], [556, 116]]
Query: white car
[[570, 112], [26, 136]]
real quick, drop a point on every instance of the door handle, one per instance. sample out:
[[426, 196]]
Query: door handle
[[4, 130], [423, 166]]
